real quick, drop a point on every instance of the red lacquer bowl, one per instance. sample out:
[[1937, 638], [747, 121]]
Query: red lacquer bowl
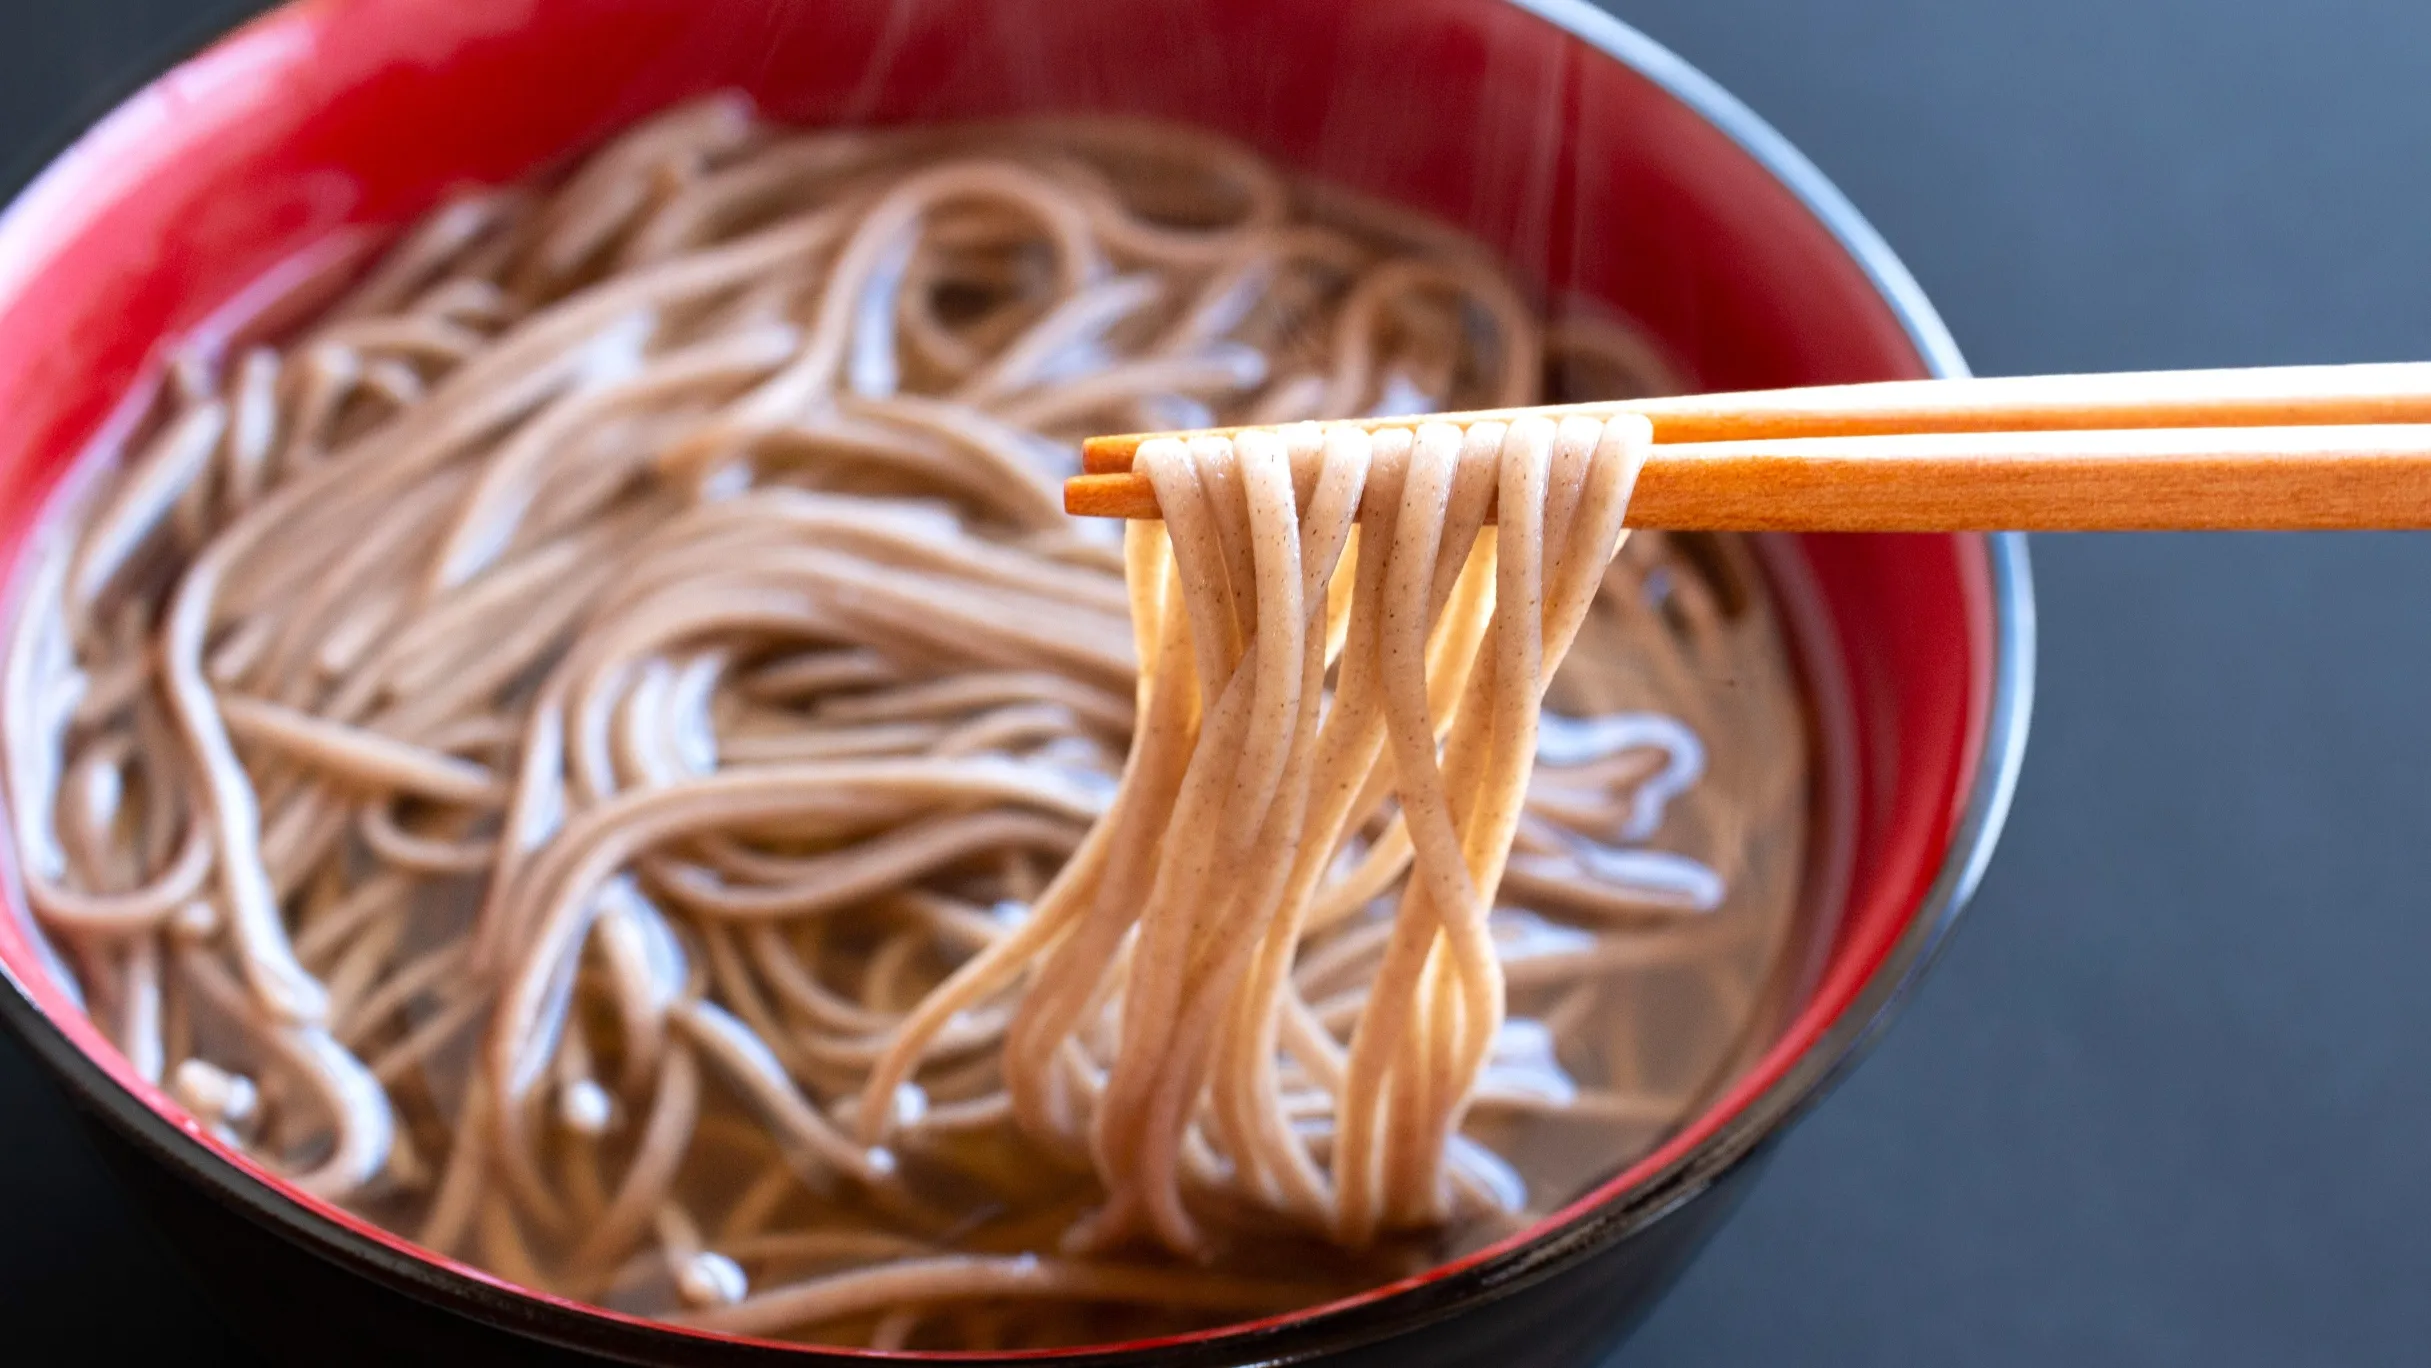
[[1601, 165]]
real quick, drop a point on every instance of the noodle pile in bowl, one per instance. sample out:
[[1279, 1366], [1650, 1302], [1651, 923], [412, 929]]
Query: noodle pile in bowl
[[602, 753]]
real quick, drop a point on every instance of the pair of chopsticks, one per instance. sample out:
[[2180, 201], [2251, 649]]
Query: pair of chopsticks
[[2294, 447]]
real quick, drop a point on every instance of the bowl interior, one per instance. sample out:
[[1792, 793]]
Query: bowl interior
[[266, 153]]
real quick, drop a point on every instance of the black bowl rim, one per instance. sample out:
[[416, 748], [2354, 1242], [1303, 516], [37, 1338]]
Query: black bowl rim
[[1763, 1120]]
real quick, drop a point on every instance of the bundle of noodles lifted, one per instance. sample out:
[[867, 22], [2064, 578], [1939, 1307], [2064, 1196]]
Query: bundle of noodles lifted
[[600, 752], [1167, 940]]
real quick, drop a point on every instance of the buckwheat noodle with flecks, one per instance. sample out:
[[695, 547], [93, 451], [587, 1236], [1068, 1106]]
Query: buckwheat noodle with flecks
[[601, 753]]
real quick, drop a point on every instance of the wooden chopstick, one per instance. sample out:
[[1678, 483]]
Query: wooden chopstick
[[2318, 447], [2196, 479], [2266, 396]]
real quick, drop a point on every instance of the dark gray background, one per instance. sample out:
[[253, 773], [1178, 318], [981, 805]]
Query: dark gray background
[[2168, 1099]]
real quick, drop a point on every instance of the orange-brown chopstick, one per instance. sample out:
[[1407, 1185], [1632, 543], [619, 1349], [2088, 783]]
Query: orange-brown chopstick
[[2275, 396], [2315, 477], [2276, 447]]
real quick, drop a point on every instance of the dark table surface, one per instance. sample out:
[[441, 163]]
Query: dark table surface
[[2167, 1098]]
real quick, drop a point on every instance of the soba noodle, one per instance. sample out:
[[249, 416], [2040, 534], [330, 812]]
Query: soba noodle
[[602, 753]]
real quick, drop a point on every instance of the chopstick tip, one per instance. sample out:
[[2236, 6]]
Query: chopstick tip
[[1110, 455]]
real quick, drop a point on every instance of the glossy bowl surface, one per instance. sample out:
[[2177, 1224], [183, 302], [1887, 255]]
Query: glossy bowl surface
[[1600, 166]]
